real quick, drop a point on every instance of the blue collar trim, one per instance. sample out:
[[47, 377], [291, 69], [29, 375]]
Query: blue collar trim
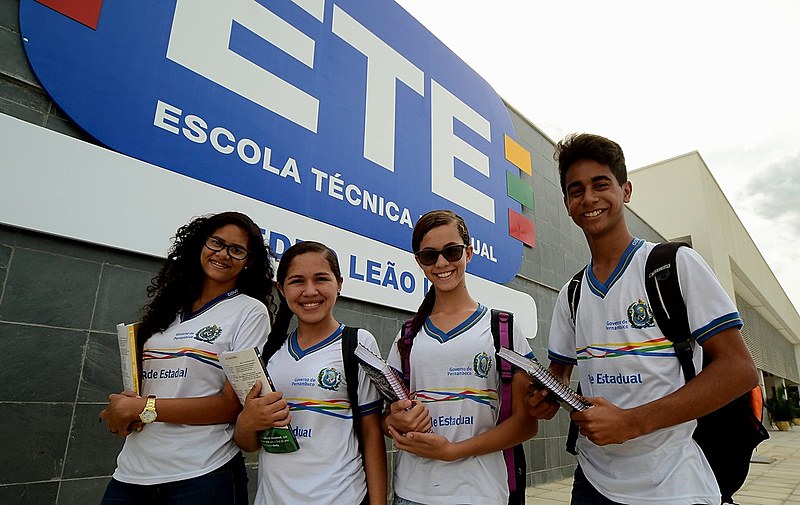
[[186, 314], [297, 352], [601, 289]]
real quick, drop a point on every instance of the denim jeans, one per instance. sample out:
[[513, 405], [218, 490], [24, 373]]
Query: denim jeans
[[584, 493], [226, 485], [403, 501]]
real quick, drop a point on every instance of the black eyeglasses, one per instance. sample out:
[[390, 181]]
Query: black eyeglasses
[[236, 252], [430, 256]]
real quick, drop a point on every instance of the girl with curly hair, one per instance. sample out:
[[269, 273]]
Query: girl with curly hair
[[210, 296], [307, 367]]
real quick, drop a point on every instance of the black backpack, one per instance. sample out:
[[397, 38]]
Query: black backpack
[[502, 325], [728, 435]]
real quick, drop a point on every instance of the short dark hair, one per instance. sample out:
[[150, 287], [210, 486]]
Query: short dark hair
[[586, 146]]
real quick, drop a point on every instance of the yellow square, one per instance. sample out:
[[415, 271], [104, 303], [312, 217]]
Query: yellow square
[[518, 155]]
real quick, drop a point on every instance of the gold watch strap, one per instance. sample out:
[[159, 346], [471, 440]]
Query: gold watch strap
[[149, 414]]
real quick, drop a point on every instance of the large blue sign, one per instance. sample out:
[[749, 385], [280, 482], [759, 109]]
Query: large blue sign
[[348, 111]]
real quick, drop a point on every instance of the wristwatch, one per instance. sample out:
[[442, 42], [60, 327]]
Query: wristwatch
[[149, 414]]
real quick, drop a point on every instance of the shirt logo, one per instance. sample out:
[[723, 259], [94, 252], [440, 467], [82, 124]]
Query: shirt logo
[[208, 334], [329, 378], [482, 365], [639, 315]]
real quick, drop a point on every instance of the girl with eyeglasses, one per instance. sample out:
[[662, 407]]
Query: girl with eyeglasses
[[210, 296], [450, 445], [306, 366]]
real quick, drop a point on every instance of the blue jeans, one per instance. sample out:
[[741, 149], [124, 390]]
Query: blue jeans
[[403, 501], [584, 493], [227, 485]]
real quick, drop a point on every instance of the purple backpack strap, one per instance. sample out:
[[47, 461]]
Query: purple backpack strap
[[501, 324], [405, 353], [505, 368]]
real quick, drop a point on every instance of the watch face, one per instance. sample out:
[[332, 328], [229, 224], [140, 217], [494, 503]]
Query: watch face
[[148, 416]]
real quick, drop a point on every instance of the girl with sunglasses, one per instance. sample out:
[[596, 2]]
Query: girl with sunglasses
[[210, 296], [306, 367], [450, 445]]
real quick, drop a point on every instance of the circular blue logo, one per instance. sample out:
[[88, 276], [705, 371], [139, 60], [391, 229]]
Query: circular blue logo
[[482, 364], [640, 315], [329, 378]]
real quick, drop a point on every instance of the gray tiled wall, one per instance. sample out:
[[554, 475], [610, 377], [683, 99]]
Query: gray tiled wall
[[60, 300]]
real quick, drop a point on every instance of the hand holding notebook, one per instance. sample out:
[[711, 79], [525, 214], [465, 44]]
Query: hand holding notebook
[[387, 382], [568, 398]]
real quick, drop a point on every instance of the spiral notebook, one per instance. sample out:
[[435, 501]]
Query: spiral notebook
[[382, 375], [568, 398]]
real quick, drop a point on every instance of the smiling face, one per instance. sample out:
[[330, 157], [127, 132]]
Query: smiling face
[[221, 271], [595, 199], [445, 275], [311, 289]]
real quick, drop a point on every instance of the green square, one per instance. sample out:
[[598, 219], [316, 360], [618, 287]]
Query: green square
[[519, 190]]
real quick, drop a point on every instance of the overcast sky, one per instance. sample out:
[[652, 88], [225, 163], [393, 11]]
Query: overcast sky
[[662, 79]]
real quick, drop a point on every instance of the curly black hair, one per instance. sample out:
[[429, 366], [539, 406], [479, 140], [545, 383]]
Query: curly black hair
[[180, 281]]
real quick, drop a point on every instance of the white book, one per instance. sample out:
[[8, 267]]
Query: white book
[[129, 360], [568, 398], [243, 368], [381, 374]]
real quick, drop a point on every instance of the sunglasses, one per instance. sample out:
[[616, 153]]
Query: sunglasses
[[428, 257], [236, 252]]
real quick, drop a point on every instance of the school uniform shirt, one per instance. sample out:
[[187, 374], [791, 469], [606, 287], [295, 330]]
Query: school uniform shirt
[[455, 375], [621, 355], [182, 362], [328, 468]]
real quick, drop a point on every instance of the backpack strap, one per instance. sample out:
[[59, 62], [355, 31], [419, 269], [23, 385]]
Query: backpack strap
[[502, 333], [407, 339], [667, 304], [349, 343], [574, 297], [502, 323], [574, 293]]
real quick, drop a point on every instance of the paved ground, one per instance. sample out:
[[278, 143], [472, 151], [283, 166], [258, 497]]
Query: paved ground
[[774, 477]]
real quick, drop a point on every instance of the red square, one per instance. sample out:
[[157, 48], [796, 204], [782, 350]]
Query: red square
[[521, 228], [86, 12]]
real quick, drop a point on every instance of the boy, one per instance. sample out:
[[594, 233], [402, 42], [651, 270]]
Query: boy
[[636, 444]]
